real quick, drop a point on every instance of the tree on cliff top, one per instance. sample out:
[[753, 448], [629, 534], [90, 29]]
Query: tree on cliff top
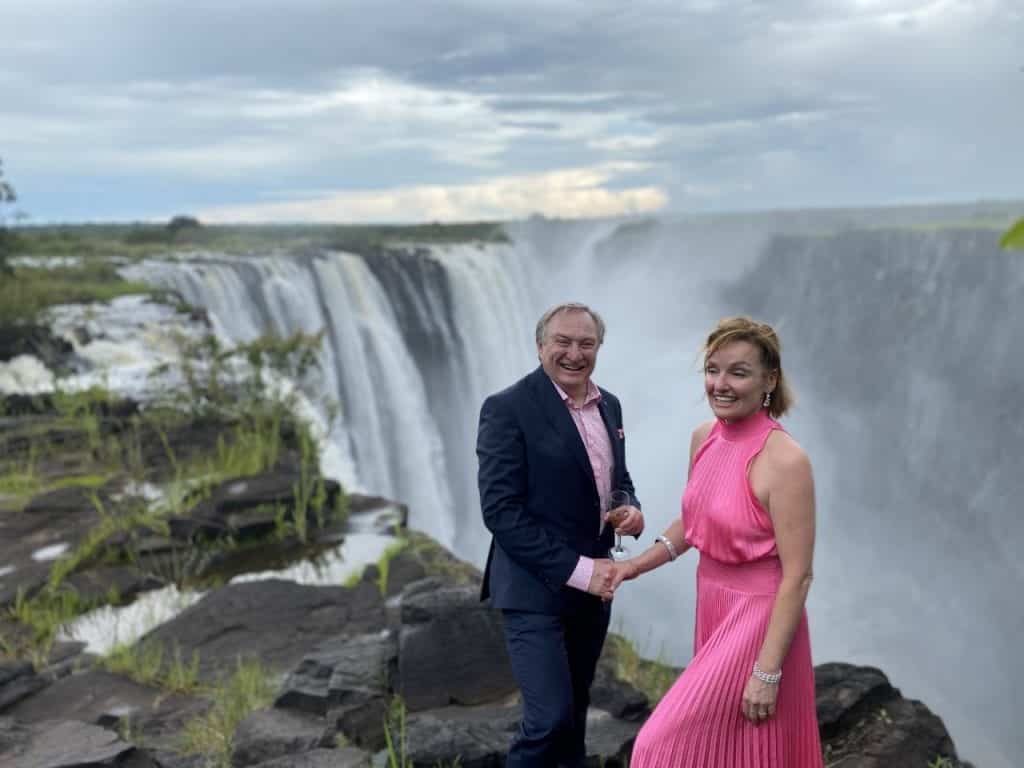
[[7, 197]]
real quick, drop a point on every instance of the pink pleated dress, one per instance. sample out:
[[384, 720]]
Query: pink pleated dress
[[699, 723]]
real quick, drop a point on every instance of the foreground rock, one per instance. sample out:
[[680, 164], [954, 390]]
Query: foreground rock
[[95, 696], [866, 723], [347, 654], [274, 621], [443, 655], [66, 744]]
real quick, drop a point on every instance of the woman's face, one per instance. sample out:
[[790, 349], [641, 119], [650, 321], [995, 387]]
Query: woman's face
[[736, 380]]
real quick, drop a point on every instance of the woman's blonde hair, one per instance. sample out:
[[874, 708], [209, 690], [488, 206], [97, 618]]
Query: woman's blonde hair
[[762, 336]]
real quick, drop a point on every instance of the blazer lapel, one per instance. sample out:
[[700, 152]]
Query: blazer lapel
[[557, 414]]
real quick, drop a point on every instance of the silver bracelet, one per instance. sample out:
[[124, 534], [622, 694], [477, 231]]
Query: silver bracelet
[[672, 554], [772, 678]]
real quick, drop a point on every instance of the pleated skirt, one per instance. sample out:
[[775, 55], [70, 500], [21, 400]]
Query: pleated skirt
[[699, 723]]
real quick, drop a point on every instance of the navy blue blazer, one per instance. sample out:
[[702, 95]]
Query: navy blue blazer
[[538, 494]]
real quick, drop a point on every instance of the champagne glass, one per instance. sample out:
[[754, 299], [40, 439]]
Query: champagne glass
[[616, 509]]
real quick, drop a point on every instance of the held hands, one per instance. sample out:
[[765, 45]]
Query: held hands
[[628, 520], [602, 580], [759, 700], [608, 575]]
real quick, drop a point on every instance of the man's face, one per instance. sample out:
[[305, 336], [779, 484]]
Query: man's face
[[568, 352]]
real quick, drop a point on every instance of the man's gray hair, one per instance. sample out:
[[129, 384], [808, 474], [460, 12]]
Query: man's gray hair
[[568, 306]]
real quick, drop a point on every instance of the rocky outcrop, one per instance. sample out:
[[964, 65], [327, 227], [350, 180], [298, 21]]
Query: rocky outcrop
[[435, 619], [66, 744], [18, 680], [275, 621], [411, 629], [866, 723], [36, 340], [252, 507], [269, 734], [443, 655]]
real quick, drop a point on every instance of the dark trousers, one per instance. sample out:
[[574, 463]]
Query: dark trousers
[[553, 661]]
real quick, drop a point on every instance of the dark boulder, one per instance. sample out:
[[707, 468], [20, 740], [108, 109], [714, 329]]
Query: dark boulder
[[866, 723], [273, 620], [270, 733], [451, 648], [66, 744], [36, 340], [18, 680], [346, 757], [250, 507], [478, 736]]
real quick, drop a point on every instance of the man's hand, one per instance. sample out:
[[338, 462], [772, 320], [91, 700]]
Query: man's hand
[[628, 520], [602, 580]]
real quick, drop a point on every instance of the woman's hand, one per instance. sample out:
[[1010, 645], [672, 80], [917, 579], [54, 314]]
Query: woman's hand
[[624, 571], [759, 700]]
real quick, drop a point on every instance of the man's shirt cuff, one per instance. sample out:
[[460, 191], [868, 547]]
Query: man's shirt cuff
[[580, 578]]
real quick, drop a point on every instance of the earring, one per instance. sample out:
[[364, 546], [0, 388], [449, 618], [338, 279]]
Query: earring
[[767, 400]]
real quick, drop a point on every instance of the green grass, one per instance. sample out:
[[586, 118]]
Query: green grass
[[652, 678], [384, 564], [212, 735], [394, 735], [141, 240], [145, 663], [32, 289], [438, 561], [93, 546], [43, 615]]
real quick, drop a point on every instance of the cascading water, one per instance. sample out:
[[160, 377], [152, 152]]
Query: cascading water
[[899, 344], [403, 330]]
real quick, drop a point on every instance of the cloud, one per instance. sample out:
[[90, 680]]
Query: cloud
[[214, 107], [574, 192]]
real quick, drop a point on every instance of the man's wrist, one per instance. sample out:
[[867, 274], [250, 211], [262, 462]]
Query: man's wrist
[[581, 575]]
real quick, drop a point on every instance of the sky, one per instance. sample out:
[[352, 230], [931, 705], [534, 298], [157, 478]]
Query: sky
[[431, 110]]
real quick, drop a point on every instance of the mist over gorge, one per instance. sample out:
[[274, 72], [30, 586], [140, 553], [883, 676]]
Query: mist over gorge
[[898, 339]]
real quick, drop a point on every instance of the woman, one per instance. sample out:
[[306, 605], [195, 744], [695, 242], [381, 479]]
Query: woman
[[746, 700]]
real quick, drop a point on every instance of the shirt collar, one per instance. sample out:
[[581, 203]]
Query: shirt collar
[[593, 394]]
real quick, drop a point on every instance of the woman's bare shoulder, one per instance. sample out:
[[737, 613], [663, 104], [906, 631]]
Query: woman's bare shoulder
[[700, 434], [784, 452]]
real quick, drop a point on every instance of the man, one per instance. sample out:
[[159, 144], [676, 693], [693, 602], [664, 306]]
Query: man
[[551, 451]]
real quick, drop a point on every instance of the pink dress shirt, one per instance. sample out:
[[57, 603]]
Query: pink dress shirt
[[594, 435]]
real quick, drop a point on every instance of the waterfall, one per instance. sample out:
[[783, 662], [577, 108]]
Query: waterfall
[[402, 328]]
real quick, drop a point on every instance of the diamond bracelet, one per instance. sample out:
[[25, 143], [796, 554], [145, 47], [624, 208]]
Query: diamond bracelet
[[772, 678]]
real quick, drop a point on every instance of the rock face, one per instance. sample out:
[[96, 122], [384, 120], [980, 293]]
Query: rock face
[[18, 681], [35, 340], [444, 655], [451, 648], [269, 734], [866, 723], [273, 620], [249, 507]]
